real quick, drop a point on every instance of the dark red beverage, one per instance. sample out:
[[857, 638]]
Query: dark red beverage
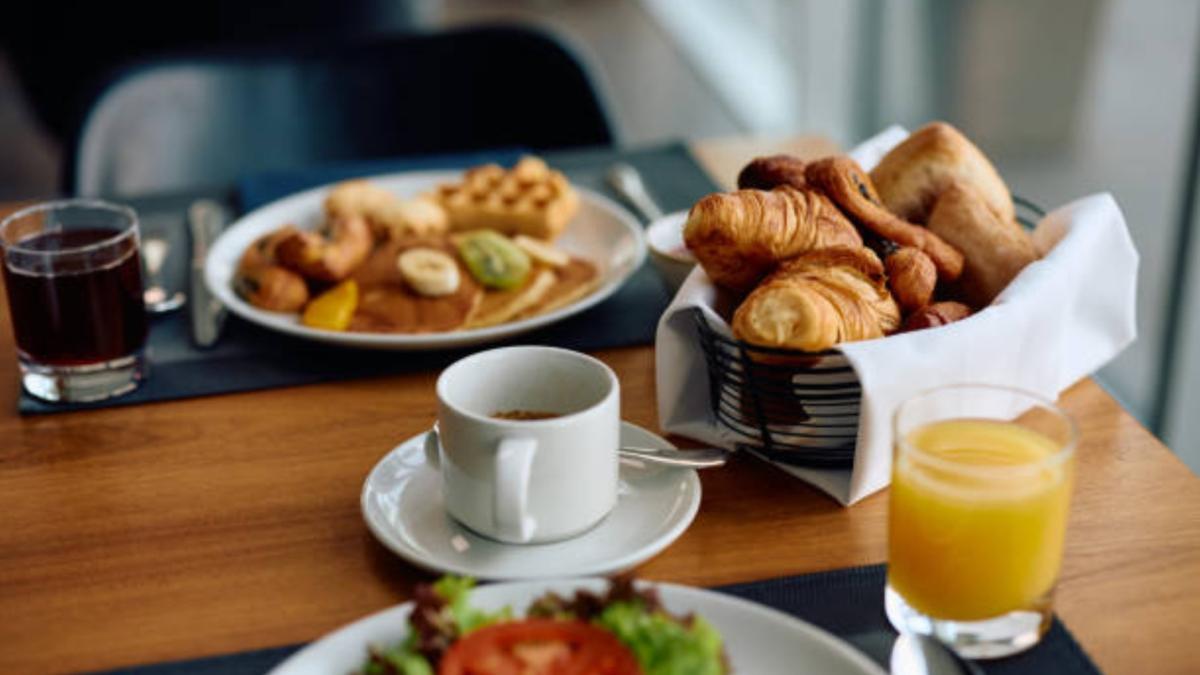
[[84, 308]]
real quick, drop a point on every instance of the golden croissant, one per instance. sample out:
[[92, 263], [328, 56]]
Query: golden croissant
[[739, 237], [817, 300]]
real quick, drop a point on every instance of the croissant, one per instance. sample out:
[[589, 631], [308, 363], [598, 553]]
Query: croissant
[[817, 300], [739, 237]]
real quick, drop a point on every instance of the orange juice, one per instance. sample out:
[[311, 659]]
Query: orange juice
[[977, 519]]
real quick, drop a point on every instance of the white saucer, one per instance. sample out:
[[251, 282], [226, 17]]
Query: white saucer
[[402, 505]]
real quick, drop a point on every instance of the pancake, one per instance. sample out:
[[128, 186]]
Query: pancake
[[380, 265], [387, 305], [573, 281], [501, 306]]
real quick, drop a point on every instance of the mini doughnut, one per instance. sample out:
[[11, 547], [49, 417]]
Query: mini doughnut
[[329, 254]]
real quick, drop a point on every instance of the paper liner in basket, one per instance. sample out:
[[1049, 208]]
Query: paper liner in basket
[[1062, 318]]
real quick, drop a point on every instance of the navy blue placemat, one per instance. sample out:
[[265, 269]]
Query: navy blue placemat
[[249, 357], [847, 603]]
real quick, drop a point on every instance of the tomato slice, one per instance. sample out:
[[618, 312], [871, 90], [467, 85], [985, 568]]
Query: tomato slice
[[539, 647]]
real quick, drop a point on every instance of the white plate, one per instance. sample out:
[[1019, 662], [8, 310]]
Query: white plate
[[759, 640], [602, 232], [402, 505]]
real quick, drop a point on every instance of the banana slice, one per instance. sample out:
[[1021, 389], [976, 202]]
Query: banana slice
[[428, 271], [541, 251]]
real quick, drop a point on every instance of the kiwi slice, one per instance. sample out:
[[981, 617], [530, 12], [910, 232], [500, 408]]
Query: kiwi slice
[[494, 260]]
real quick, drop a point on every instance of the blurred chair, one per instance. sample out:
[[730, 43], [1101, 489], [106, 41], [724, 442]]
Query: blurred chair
[[205, 119]]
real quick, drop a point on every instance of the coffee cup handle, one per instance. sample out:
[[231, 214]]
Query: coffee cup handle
[[514, 464], [433, 455]]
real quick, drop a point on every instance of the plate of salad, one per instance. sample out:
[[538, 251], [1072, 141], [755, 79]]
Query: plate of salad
[[577, 627]]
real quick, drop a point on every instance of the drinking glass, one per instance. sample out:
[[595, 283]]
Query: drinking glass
[[981, 481], [74, 281]]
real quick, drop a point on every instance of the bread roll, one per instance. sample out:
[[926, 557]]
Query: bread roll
[[912, 177], [937, 314], [995, 250]]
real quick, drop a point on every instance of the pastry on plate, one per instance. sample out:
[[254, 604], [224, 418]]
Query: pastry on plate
[[739, 237], [272, 288], [388, 215], [817, 300], [266, 284], [329, 254], [530, 199], [912, 177], [996, 250]]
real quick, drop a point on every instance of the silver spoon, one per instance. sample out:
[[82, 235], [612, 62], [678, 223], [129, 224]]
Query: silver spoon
[[701, 458], [154, 254], [627, 182], [923, 655]]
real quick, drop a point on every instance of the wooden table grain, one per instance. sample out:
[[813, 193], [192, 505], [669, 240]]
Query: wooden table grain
[[214, 525]]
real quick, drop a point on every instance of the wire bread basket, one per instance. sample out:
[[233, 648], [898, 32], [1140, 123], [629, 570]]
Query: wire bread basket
[[796, 408]]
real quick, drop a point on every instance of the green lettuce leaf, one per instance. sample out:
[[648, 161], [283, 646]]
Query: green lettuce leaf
[[456, 591], [400, 659], [663, 645]]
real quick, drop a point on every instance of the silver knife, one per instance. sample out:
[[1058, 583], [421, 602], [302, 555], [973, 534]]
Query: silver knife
[[206, 218]]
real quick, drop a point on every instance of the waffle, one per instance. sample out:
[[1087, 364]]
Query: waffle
[[529, 199]]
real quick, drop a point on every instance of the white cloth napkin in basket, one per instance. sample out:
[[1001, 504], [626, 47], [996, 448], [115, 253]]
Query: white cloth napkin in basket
[[1062, 318]]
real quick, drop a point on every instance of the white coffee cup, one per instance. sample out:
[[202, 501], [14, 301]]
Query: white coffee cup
[[527, 481]]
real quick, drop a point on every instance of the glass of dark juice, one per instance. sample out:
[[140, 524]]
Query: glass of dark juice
[[74, 282]]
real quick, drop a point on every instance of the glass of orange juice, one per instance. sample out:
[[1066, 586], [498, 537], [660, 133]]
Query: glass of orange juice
[[981, 482]]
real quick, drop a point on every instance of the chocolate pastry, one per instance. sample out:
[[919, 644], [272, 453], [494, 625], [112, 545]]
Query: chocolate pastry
[[844, 181], [768, 173]]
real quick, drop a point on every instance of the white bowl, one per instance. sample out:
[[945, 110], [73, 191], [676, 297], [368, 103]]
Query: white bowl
[[670, 256]]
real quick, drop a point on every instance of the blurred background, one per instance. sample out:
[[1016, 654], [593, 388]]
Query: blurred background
[[1068, 98]]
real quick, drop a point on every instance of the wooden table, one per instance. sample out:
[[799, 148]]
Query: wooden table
[[191, 528]]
